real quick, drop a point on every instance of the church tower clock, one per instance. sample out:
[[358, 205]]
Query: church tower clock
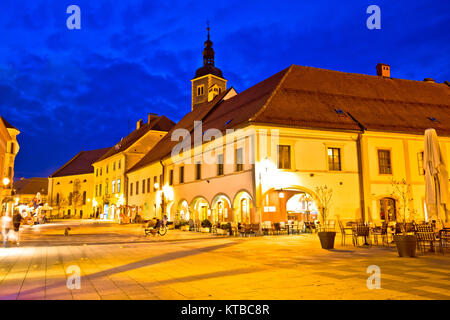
[[208, 81]]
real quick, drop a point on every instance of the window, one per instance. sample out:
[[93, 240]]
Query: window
[[284, 157], [161, 181], [118, 186], [143, 186], [239, 159], [70, 198], [334, 159], [182, 174], [155, 181], [113, 187], [131, 188], [198, 171], [57, 199], [12, 147], [106, 188], [137, 187], [170, 177], [119, 165], [200, 90], [96, 172], [107, 168], [84, 198], [420, 163], [10, 174], [220, 164], [101, 170], [387, 209], [100, 190], [148, 185], [114, 166], [384, 162]]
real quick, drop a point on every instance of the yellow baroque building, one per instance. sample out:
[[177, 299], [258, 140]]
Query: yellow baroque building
[[9, 147], [71, 187], [110, 182]]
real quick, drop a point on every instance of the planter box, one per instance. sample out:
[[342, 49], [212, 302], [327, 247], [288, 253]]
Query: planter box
[[185, 228], [327, 239], [406, 245], [205, 230], [222, 232]]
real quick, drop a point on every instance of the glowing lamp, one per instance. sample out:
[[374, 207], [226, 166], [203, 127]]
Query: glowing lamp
[[6, 181]]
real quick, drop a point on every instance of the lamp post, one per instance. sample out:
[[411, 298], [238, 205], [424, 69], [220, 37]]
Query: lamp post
[[6, 181]]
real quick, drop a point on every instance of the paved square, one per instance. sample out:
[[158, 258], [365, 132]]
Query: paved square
[[117, 262]]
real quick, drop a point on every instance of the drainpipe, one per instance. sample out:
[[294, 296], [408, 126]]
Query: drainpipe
[[361, 177], [163, 209]]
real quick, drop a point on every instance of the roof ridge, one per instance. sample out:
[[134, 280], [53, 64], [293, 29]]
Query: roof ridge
[[67, 163], [367, 75]]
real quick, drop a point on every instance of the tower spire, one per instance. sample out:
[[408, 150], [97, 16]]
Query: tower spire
[[208, 52]]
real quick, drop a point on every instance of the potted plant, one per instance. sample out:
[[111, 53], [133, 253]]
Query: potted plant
[[326, 235], [206, 226], [405, 243], [225, 229]]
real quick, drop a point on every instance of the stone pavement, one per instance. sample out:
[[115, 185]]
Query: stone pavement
[[271, 267]]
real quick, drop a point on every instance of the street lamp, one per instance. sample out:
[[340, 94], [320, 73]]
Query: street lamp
[[6, 181]]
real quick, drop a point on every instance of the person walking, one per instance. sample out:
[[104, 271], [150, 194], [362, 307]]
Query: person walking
[[17, 220], [6, 223]]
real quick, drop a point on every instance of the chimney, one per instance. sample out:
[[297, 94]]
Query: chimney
[[152, 117], [139, 124], [383, 70]]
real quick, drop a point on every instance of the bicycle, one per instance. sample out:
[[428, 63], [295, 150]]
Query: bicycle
[[157, 228]]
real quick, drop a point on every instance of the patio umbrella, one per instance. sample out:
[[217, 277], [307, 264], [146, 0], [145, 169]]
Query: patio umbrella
[[436, 175]]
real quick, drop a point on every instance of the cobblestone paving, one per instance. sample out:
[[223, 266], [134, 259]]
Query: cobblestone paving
[[184, 266]]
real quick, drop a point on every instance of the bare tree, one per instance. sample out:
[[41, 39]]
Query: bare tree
[[76, 195], [325, 195], [401, 190]]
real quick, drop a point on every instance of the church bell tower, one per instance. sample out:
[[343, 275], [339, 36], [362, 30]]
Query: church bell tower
[[208, 81]]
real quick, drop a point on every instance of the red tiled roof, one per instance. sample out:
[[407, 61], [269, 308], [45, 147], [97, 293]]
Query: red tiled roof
[[31, 186], [80, 164], [162, 123], [309, 96], [312, 98]]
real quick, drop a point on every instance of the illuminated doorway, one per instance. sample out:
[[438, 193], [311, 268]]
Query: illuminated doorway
[[387, 210]]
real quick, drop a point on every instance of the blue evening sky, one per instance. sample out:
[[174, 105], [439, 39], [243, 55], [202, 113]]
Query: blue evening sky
[[72, 90]]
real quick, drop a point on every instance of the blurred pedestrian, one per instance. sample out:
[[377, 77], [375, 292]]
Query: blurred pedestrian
[[6, 223], [17, 220]]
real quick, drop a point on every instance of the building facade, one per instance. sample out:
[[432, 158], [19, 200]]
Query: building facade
[[71, 187], [9, 147], [261, 155], [110, 181], [25, 190]]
